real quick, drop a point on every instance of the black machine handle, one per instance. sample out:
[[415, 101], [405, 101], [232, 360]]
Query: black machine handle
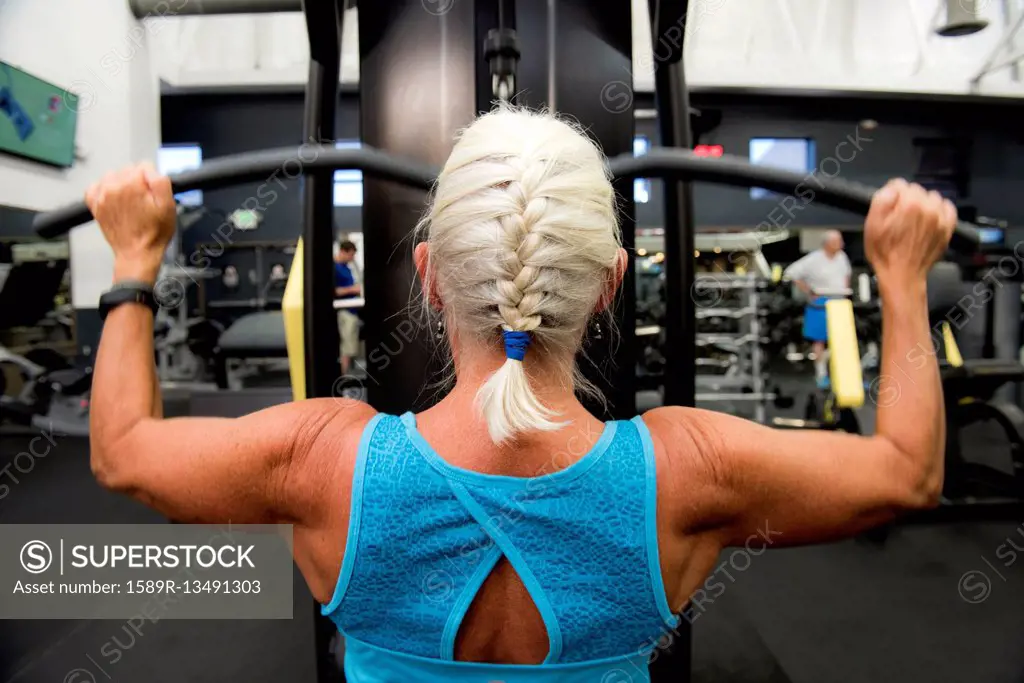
[[731, 170], [290, 162], [271, 166]]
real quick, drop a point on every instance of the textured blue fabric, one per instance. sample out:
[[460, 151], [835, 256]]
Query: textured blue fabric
[[368, 664], [429, 533], [815, 321], [516, 344]]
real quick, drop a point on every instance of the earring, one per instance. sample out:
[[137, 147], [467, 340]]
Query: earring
[[440, 329], [595, 330]]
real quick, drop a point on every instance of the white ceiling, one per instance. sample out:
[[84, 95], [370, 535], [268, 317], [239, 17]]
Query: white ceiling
[[877, 45]]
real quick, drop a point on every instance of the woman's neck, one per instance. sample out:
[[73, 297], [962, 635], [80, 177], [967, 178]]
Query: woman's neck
[[550, 380], [457, 430]]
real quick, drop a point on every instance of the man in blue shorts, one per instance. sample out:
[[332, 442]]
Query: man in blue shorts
[[823, 270]]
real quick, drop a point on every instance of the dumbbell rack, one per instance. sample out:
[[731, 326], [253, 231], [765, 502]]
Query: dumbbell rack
[[744, 380]]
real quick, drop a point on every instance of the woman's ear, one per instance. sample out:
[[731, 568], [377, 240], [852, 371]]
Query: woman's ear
[[612, 286], [427, 280]]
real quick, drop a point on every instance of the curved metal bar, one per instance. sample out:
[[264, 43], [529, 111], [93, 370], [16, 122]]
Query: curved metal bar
[[290, 163], [731, 170], [273, 165]]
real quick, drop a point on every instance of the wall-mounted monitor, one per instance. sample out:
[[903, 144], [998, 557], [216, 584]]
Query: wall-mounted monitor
[[177, 158], [942, 165], [37, 118], [348, 184], [788, 154], [992, 235], [641, 186]]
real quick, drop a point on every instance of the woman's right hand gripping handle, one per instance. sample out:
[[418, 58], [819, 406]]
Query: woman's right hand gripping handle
[[731, 478]]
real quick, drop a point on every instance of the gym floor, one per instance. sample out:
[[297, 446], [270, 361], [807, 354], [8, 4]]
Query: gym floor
[[849, 611]]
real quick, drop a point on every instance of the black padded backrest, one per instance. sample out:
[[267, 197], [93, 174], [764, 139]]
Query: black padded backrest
[[27, 294], [946, 288]]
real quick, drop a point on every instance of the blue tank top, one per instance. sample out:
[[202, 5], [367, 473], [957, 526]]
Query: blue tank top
[[425, 534]]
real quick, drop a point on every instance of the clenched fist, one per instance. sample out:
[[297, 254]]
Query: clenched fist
[[135, 210], [907, 231]]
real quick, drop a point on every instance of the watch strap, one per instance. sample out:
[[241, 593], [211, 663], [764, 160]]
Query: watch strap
[[127, 292]]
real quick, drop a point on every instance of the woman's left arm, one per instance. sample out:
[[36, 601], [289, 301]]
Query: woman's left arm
[[259, 468]]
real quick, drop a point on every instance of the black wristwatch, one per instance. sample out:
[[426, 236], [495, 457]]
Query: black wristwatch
[[127, 292]]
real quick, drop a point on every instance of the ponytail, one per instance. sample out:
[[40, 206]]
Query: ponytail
[[507, 402]]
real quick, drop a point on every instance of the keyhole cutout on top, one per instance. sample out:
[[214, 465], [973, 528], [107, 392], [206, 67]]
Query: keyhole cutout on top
[[502, 624]]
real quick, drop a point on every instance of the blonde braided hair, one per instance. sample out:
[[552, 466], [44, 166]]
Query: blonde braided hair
[[523, 238]]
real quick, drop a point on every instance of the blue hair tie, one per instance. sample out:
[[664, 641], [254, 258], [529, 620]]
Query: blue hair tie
[[516, 344]]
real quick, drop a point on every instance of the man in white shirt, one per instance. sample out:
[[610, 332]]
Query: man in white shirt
[[819, 275]]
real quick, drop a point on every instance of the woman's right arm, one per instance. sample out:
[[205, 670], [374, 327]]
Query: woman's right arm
[[811, 486]]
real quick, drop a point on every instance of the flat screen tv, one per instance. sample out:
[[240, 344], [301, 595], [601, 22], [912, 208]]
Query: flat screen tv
[[789, 154], [177, 158], [37, 119]]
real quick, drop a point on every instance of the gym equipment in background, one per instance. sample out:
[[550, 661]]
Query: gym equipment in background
[[970, 390], [39, 388], [302, 330], [53, 396], [737, 300], [665, 163], [834, 408], [315, 330], [183, 344], [972, 489], [868, 312], [732, 312], [254, 340], [673, 164]]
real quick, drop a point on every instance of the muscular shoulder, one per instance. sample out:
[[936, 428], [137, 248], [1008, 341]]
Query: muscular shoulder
[[688, 447], [326, 434], [331, 425], [689, 431], [317, 484]]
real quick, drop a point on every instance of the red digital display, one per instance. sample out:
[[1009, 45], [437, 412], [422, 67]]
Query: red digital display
[[709, 150]]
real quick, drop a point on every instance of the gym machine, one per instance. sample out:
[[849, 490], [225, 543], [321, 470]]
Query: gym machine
[[971, 389], [832, 408], [673, 164], [46, 390], [181, 341], [577, 56], [745, 378], [972, 490]]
